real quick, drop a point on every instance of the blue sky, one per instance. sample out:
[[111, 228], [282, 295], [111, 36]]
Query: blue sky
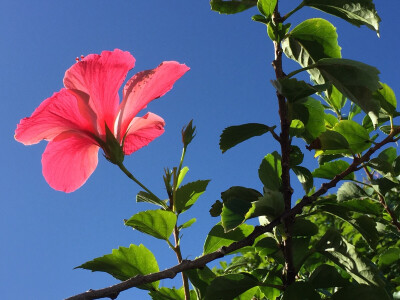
[[44, 233]]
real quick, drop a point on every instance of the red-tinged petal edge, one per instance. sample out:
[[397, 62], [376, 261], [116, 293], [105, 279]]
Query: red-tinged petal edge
[[146, 86], [68, 161], [61, 112], [101, 76], [143, 130]]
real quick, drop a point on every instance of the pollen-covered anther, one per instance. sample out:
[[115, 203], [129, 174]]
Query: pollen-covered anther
[[77, 59], [82, 57]]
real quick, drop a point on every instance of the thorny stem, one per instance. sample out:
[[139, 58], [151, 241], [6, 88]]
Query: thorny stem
[[285, 142], [382, 201]]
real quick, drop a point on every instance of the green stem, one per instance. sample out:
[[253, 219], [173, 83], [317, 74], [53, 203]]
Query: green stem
[[129, 174], [285, 17]]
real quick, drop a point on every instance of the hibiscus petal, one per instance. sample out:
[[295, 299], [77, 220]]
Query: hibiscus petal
[[142, 130], [146, 86], [68, 161], [101, 76], [61, 112]]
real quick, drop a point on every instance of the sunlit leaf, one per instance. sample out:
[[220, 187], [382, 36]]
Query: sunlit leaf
[[218, 238], [387, 99], [356, 135], [310, 41], [330, 169], [168, 294], [311, 113], [266, 7], [158, 223], [188, 194], [124, 263], [188, 223], [356, 12]]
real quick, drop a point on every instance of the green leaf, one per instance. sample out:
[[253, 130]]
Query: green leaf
[[335, 99], [296, 156], [266, 7], [334, 247], [363, 292], [387, 99], [300, 291], [168, 294], [363, 224], [326, 158], [303, 227], [356, 135], [182, 175], [294, 89], [124, 263], [389, 256], [356, 12], [364, 206], [355, 80], [271, 204], [310, 41], [330, 140], [201, 279], [330, 169], [266, 246], [354, 111], [326, 276], [260, 18], [234, 213], [305, 177], [231, 6], [311, 113], [349, 191], [241, 193], [276, 32], [157, 223], [216, 209], [233, 135], [188, 223], [188, 194], [227, 287], [330, 121], [270, 171], [146, 197], [381, 166], [296, 128], [389, 155], [218, 238]]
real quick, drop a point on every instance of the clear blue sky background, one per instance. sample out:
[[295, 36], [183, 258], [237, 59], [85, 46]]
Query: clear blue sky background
[[44, 233]]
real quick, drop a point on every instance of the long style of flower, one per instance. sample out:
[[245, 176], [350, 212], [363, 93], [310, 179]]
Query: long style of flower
[[87, 115]]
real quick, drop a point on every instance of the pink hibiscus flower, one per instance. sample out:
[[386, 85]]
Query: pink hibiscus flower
[[86, 115]]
